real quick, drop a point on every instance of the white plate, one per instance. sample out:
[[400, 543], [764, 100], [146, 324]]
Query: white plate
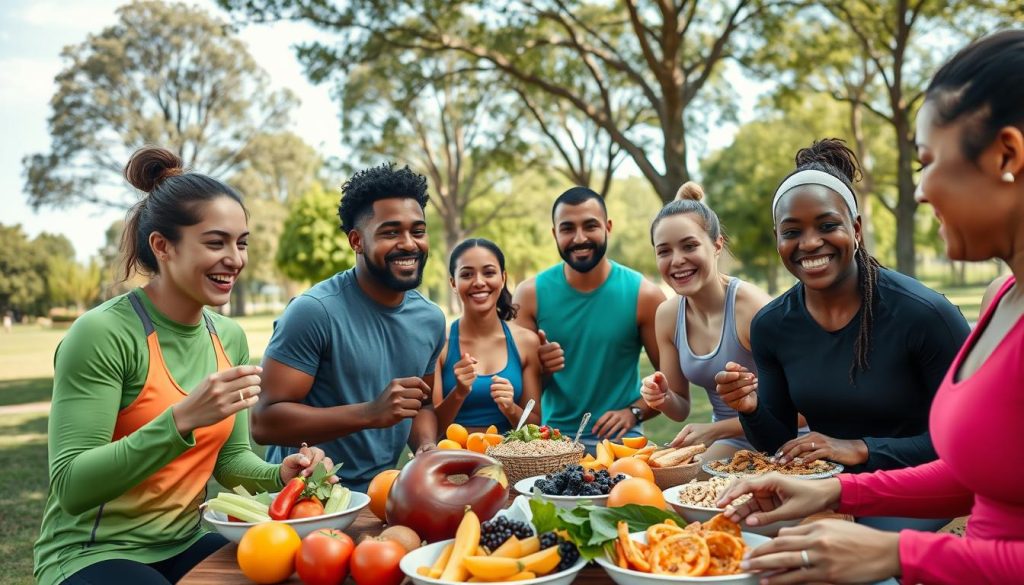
[[426, 555], [525, 487], [631, 577], [339, 520], [837, 468], [701, 514]]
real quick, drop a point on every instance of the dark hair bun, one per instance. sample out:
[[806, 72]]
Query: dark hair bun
[[151, 165], [691, 191], [831, 152]]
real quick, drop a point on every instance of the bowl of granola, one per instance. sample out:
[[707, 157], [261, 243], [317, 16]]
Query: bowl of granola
[[746, 462], [535, 450], [695, 502]]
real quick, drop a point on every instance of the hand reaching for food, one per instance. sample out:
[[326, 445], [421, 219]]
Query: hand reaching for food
[[738, 387], [815, 446]]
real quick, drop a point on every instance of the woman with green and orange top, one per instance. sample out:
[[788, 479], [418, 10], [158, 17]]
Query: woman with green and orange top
[[130, 449]]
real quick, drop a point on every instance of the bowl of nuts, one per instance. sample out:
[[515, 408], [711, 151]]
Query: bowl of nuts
[[695, 501]]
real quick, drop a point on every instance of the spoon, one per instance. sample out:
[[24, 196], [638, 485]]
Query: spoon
[[583, 423], [526, 413]]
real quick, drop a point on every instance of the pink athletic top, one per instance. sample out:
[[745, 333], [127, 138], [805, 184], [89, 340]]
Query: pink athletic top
[[980, 471]]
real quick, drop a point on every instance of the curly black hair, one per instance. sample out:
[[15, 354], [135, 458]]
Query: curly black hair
[[373, 184]]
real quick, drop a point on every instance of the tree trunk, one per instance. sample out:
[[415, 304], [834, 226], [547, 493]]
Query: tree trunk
[[238, 297], [867, 186], [905, 205]]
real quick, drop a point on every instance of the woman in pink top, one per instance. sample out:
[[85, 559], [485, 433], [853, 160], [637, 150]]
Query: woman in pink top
[[970, 135]]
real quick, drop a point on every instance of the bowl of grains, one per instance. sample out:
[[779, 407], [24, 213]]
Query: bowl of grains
[[523, 459], [745, 462], [695, 501]]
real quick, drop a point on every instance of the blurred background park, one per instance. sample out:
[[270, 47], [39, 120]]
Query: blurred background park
[[502, 104]]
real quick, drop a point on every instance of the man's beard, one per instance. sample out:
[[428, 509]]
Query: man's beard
[[385, 276], [584, 266]]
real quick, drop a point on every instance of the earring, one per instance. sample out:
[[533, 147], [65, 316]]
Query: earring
[[1008, 177]]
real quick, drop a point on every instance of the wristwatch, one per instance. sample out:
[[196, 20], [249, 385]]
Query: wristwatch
[[639, 414]]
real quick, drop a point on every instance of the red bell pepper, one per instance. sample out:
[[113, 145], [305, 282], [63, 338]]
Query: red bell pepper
[[282, 505]]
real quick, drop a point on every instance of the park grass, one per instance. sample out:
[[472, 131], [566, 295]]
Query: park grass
[[26, 370]]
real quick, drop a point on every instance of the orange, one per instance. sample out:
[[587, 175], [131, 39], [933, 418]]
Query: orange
[[266, 553], [636, 490], [633, 467], [448, 444], [476, 442], [457, 433], [378, 491], [635, 442], [492, 439], [621, 450], [492, 430]]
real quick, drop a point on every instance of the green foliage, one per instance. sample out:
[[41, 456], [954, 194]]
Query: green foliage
[[22, 283], [312, 246], [165, 73], [71, 283]]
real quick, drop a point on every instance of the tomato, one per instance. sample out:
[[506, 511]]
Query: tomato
[[324, 556], [306, 508], [378, 491], [266, 553], [375, 562]]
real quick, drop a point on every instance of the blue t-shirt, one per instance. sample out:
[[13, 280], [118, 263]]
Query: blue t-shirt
[[353, 347], [479, 409]]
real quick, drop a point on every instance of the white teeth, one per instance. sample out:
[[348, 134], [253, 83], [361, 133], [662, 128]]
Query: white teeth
[[813, 263], [220, 278], [405, 262], [480, 296], [684, 274]]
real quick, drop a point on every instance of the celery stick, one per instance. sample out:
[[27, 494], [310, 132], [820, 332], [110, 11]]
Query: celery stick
[[240, 490], [243, 502], [338, 500], [231, 509]]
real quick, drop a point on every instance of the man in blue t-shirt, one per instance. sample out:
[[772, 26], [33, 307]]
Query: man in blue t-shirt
[[350, 365]]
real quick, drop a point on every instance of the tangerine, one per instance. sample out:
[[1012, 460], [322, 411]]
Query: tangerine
[[635, 442], [492, 430], [633, 467], [448, 444], [636, 490], [476, 442], [380, 487], [457, 433], [266, 553], [493, 439]]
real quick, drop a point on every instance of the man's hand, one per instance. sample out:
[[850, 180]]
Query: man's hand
[[552, 357], [402, 399], [613, 424]]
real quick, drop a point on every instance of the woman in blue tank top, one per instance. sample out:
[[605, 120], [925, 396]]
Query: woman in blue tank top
[[489, 367], [704, 327]]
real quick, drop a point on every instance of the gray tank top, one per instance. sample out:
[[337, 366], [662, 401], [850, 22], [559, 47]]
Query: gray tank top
[[701, 369]]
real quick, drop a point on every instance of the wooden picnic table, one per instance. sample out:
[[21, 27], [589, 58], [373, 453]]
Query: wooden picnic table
[[221, 568]]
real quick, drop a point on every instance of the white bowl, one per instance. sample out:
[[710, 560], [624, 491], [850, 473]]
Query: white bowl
[[631, 577], [426, 555], [701, 514], [525, 487], [339, 520]]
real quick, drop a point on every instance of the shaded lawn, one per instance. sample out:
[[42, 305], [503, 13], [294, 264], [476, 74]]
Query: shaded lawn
[[23, 486], [25, 391]]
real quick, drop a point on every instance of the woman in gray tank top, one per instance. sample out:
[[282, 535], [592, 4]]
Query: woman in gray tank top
[[705, 326]]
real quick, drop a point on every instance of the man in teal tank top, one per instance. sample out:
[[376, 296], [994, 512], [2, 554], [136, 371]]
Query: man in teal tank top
[[593, 316]]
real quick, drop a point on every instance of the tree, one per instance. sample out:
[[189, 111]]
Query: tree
[[657, 58], [878, 55], [21, 283], [71, 283], [167, 74], [312, 245]]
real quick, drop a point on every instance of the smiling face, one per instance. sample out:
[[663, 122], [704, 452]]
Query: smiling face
[[975, 209], [581, 233], [478, 280], [393, 243], [815, 236], [687, 258], [204, 264]]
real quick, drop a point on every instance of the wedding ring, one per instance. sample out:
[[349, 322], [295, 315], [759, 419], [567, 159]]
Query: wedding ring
[[241, 397], [806, 558]]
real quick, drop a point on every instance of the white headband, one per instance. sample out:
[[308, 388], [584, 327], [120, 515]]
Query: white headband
[[813, 177]]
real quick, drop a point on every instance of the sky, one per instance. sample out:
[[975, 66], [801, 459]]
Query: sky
[[32, 34]]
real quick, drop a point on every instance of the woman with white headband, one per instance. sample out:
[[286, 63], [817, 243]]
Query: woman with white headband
[[859, 350]]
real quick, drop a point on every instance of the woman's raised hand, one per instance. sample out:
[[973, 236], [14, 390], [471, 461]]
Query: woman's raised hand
[[654, 390], [217, 397], [465, 373], [738, 387]]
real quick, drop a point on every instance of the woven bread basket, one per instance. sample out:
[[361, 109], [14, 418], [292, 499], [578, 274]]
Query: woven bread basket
[[666, 477], [518, 467]]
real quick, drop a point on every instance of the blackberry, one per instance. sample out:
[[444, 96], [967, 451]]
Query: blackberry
[[495, 532], [590, 489], [569, 555], [548, 540]]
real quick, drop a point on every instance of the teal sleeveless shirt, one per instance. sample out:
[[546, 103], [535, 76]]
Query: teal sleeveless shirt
[[599, 334]]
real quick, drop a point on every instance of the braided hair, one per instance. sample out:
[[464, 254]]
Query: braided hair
[[832, 156]]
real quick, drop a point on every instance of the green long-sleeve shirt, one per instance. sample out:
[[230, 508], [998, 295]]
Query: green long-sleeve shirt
[[99, 369]]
